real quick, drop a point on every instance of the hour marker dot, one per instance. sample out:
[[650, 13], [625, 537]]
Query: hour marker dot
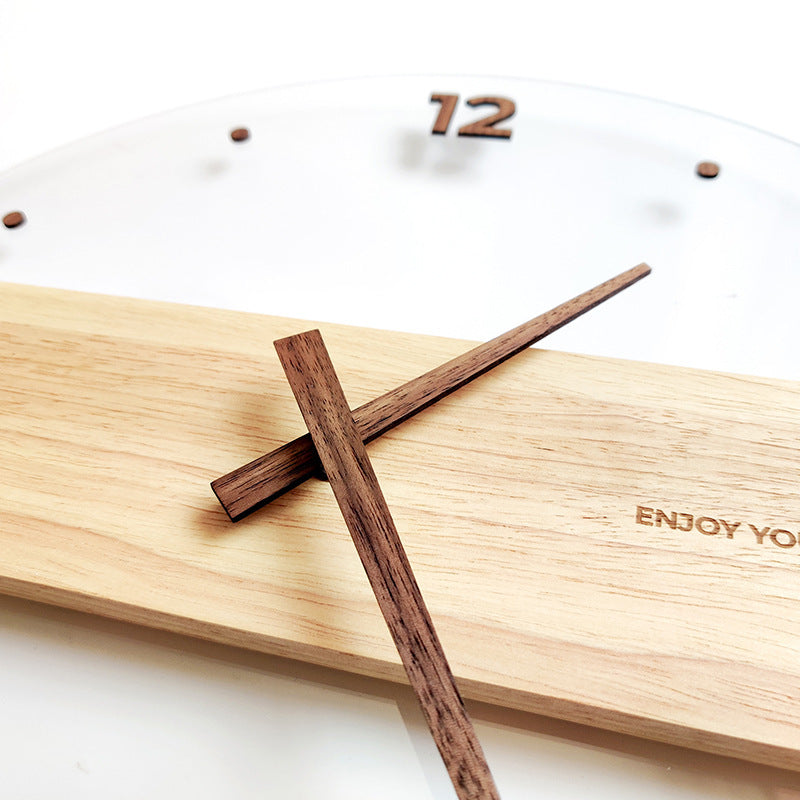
[[707, 169], [13, 219]]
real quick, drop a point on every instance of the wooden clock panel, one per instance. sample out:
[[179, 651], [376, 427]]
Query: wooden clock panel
[[600, 540]]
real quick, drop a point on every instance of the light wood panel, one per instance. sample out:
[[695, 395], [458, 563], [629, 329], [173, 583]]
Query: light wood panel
[[538, 488]]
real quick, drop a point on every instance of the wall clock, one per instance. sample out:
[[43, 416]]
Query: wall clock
[[395, 204]]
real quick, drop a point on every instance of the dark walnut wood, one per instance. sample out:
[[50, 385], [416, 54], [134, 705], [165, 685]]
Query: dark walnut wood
[[13, 219], [485, 127], [445, 114], [707, 169], [343, 455], [269, 476]]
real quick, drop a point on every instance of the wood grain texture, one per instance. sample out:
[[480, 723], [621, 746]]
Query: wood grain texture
[[448, 107], [485, 126], [543, 480], [338, 443], [256, 483]]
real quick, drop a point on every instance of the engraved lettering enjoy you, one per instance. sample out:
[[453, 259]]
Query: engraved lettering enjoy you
[[741, 531]]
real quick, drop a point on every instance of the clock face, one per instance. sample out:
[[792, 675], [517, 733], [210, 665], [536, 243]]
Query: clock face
[[396, 204], [343, 206]]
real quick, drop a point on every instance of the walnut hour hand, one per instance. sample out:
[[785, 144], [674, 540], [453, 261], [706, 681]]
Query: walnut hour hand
[[343, 455], [269, 476]]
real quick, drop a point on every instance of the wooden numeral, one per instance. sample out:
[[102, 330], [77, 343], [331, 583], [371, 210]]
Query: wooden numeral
[[482, 127], [448, 102], [485, 126]]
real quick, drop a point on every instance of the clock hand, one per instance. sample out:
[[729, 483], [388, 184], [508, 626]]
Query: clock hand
[[343, 455], [256, 483]]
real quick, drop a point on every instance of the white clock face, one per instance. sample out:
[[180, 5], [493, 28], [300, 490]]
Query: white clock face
[[343, 205]]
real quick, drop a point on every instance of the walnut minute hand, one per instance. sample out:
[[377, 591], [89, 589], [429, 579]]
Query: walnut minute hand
[[269, 476]]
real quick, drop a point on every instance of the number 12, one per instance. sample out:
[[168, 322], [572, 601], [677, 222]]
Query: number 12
[[481, 127]]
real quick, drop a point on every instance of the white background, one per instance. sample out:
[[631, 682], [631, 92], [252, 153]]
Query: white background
[[71, 69]]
